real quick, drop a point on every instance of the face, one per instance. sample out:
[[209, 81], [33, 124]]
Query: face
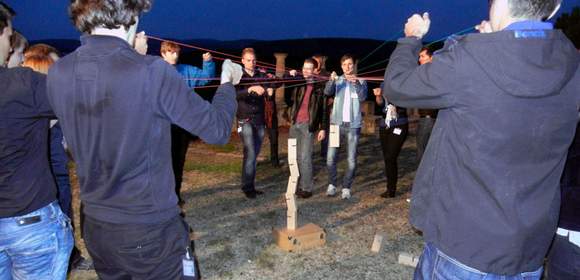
[[5, 43], [171, 57], [307, 70], [249, 61], [347, 67], [424, 57]]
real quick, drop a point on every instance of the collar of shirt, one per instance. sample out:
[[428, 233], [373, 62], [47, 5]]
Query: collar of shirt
[[530, 25], [104, 41]]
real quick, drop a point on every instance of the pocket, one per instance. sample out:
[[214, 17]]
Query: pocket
[[447, 268], [35, 255], [146, 251]]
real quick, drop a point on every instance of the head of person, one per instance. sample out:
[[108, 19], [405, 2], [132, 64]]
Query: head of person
[[502, 13], [170, 52], [38, 63], [347, 64], [425, 55], [6, 15], [319, 59], [123, 15], [309, 67], [249, 59], [42, 50], [18, 44]]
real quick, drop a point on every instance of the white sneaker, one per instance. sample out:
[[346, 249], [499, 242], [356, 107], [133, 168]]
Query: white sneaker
[[331, 191], [231, 72], [345, 193]]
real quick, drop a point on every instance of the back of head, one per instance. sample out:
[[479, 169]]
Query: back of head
[[17, 41], [40, 49], [38, 63], [532, 9], [111, 14], [6, 15], [167, 46]]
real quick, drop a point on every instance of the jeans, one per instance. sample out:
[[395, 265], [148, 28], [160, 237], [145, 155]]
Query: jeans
[[137, 251], [434, 264], [424, 129], [391, 144], [38, 250], [351, 135], [252, 137], [304, 146], [563, 260]]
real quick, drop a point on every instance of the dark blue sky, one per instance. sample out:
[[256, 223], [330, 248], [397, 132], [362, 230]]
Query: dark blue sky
[[267, 19]]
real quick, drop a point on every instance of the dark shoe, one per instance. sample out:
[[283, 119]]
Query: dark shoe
[[181, 202], [250, 194], [259, 192], [82, 264], [388, 194], [303, 194]]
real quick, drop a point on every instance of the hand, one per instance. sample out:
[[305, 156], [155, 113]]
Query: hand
[[270, 91], [140, 44], [206, 56], [270, 76], [417, 26], [321, 135], [484, 27], [259, 90], [333, 76], [351, 78], [292, 73], [377, 91]]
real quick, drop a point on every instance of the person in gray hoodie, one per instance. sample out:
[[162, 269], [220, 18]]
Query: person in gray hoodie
[[487, 193]]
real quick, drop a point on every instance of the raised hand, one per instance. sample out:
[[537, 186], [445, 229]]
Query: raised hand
[[417, 26], [484, 27], [259, 90], [207, 56], [141, 43], [333, 76]]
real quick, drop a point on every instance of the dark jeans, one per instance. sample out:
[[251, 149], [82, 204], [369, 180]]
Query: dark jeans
[[563, 260], [273, 136], [424, 129], [137, 251], [391, 143], [324, 144], [304, 146], [179, 144], [252, 137]]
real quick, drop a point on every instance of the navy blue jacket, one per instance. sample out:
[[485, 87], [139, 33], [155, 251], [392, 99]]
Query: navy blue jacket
[[570, 210], [115, 108], [26, 183], [487, 191]]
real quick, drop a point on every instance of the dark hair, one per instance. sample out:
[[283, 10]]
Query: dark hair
[[345, 57], [426, 49], [18, 40], [312, 61], [112, 14], [531, 9], [6, 15]]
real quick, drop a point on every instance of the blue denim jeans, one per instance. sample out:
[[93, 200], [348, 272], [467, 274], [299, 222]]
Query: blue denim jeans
[[252, 137], [434, 264], [350, 136], [304, 146], [36, 251]]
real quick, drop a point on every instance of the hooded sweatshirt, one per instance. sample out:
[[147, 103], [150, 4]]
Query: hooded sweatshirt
[[487, 191]]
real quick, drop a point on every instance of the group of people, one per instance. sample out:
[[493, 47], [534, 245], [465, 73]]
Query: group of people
[[486, 195]]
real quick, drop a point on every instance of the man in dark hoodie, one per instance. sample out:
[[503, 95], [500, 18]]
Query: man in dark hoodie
[[487, 193], [116, 108]]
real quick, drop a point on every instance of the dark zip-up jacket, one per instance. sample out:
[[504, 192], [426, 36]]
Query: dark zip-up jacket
[[316, 106], [251, 105], [487, 191], [116, 108], [570, 209]]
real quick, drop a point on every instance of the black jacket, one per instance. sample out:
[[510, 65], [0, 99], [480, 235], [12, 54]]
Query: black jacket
[[251, 105], [570, 210], [316, 106]]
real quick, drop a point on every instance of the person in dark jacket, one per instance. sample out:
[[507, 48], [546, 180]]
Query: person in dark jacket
[[487, 192], [251, 118], [307, 106], [427, 117], [564, 257], [393, 131], [116, 108]]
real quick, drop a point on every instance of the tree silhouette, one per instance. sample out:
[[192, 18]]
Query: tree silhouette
[[570, 24]]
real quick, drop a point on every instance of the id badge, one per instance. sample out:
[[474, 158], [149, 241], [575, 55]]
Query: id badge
[[189, 270], [397, 131]]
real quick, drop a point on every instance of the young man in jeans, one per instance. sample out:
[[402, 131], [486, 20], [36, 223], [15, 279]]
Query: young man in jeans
[[35, 235], [487, 192], [116, 108], [348, 93]]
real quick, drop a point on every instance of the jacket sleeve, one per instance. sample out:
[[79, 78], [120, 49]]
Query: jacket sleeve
[[212, 122], [426, 86], [39, 89], [330, 88], [196, 77], [361, 90]]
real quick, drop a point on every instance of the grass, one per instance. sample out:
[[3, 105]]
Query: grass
[[227, 148]]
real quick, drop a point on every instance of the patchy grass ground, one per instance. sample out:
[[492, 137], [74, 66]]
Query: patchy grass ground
[[234, 235]]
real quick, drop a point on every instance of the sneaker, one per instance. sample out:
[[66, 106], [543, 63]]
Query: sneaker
[[331, 191], [345, 193], [231, 72]]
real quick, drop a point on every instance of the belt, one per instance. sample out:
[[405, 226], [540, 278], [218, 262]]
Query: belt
[[28, 220]]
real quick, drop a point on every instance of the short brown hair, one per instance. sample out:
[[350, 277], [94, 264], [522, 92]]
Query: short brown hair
[[40, 50], [6, 15], [167, 46], [346, 57], [18, 40], [312, 61], [112, 14], [248, 50], [38, 63]]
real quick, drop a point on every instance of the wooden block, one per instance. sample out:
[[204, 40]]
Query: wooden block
[[334, 136], [294, 171], [377, 243], [303, 238], [292, 185], [408, 259], [291, 202], [292, 150], [292, 219]]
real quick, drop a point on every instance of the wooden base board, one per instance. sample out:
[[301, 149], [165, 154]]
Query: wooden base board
[[303, 238]]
